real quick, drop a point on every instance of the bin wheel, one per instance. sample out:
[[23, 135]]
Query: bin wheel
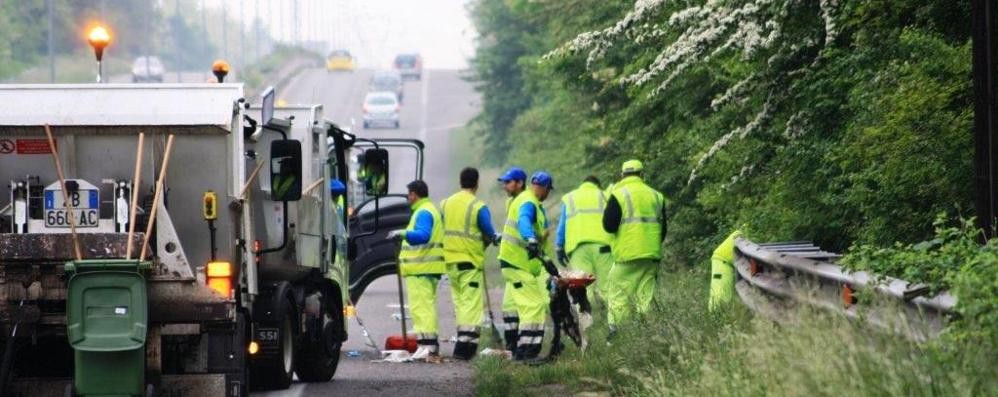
[[276, 371]]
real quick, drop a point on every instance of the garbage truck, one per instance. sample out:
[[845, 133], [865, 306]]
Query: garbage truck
[[211, 259]]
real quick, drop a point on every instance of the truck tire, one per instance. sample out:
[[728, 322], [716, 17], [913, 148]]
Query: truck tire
[[276, 371], [318, 358]]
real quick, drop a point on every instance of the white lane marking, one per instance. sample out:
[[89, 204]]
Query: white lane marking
[[425, 104]]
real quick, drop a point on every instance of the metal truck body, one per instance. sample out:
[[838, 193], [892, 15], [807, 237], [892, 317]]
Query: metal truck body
[[284, 311]]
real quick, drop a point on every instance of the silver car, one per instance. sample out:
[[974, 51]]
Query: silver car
[[386, 80], [147, 68], [381, 107]]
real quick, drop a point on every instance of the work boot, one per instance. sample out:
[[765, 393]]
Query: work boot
[[527, 353]]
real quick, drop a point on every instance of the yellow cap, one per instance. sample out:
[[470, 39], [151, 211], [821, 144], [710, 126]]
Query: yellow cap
[[632, 166]]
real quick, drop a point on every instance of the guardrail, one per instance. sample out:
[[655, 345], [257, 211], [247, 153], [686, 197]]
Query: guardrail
[[773, 276]]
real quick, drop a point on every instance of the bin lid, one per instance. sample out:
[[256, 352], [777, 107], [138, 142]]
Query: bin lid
[[106, 311]]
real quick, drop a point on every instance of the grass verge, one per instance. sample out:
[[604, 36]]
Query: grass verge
[[679, 349]]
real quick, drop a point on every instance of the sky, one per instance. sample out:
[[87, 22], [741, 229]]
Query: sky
[[374, 31]]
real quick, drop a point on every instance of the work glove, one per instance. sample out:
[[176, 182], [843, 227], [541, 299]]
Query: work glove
[[496, 240], [533, 249], [562, 257], [395, 234]]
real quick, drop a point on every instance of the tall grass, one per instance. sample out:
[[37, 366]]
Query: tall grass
[[681, 350]]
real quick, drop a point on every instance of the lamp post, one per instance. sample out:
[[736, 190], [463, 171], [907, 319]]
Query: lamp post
[[99, 38]]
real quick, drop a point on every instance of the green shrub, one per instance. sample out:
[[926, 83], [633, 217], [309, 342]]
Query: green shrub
[[954, 260]]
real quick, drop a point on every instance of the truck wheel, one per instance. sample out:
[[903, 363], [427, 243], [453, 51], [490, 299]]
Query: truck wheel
[[319, 358], [277, 370]]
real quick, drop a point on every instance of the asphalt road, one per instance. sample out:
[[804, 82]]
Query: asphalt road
[[431, 109]]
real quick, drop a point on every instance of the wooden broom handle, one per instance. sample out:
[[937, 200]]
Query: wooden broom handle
[[65, 195], [156, 196], [133, 206]]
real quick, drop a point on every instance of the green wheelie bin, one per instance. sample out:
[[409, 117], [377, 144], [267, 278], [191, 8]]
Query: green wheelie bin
[[106, 316]]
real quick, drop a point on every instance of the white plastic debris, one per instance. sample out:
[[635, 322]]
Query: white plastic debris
[[394, 356], [488, 351]]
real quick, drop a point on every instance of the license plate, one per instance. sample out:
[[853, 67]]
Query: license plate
[[268, 335], [85, 204]]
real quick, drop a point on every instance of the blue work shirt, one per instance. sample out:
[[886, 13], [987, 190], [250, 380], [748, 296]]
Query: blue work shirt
[[485, 222], [420, 234], [559, 239], [525, 224]]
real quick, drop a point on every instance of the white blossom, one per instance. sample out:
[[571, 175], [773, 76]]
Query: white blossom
[[740, 132], [696, 34]]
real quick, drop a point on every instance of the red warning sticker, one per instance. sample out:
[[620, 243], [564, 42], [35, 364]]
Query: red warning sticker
[[33, 146]]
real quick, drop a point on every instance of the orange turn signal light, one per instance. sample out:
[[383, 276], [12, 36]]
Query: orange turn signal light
[[254, 347], [219, 278], [219, 269]]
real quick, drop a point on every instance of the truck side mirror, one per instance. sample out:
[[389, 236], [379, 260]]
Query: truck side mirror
[[375, 172], [285, 170]]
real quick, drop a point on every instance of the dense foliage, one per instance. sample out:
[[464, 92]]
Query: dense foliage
[[840, 121], [953, 260]]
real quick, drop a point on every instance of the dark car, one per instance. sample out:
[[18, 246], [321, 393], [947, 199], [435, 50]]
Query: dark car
[[409, 66]]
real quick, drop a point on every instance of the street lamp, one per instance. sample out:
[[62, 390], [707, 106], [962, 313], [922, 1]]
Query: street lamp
[[99, 38]]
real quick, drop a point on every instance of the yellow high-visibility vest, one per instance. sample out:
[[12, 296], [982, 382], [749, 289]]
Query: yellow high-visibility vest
[[425, 258], [462, 238], [639, 235], [513, 248], [584, 216]]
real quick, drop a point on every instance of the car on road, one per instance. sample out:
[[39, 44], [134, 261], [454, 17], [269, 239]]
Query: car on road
[[340, 60], [386, 80], [410, 66], [381, 107], [147, 68]]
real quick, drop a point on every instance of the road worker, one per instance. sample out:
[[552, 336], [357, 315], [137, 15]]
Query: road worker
[[582, 244], [337, 193], [635, 216], [513, 183], [722, 272], [520, 251], [421, 263], [467, 231]]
